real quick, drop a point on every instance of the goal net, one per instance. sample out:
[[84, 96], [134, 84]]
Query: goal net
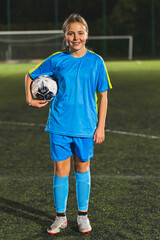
[[28, 45], [18, 45], [112, 47]]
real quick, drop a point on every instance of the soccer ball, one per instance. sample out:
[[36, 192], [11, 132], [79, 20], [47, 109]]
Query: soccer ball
[[44, 87]]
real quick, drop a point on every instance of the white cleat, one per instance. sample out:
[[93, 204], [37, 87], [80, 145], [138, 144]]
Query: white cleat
[[84, 224], [59, 223]]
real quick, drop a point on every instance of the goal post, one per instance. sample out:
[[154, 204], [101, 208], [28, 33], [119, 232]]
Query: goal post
[[129, 38], [19, 45]]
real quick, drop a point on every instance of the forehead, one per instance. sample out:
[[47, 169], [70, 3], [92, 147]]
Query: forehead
[[76, 26]]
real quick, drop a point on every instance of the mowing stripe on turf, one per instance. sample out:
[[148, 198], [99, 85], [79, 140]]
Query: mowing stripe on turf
[[96, 176], [106, 130]]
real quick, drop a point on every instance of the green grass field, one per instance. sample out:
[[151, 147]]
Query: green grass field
[[125, 193]]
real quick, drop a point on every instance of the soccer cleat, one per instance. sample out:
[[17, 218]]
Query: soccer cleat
[[84, 224], [59, 223]]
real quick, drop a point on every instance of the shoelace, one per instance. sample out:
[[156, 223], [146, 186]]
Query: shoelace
[[56, 222], [83, 220]]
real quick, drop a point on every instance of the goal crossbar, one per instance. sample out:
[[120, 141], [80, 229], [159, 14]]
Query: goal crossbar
[[31, 32], [60, 33]]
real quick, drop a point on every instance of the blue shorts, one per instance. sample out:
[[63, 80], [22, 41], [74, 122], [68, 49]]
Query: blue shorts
[[62, 147]]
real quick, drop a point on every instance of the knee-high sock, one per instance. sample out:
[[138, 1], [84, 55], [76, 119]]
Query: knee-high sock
[[60, 192], [83, 189]]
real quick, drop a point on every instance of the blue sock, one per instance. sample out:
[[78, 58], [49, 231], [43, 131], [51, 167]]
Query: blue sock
[[60, 193], [83, 183]]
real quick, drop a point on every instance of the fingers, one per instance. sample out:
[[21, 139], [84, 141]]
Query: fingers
[[94, 138], [98, 139], [42, 104], [38, 103]]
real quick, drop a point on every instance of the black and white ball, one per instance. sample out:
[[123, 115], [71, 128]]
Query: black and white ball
[[44, 87]]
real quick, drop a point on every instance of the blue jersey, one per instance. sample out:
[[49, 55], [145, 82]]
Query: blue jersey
[[73, 111]]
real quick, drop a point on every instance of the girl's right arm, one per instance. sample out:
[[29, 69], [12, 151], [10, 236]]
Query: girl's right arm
[[30, 101]]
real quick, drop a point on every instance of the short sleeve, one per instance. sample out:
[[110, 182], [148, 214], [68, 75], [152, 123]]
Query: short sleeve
[[43, 68], [103, 83]]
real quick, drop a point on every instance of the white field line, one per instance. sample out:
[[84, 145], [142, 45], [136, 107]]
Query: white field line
[[100, 177], [132, 134], [22, 124], [106, 130]]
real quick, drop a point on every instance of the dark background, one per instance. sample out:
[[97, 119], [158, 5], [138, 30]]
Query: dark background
[[139, 18]]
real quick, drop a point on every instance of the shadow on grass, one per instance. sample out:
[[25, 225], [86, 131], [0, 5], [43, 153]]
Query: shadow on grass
[[20, 210], [42, 218]]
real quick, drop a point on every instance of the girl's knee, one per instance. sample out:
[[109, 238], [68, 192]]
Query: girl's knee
[[62, 168], [81, 166]]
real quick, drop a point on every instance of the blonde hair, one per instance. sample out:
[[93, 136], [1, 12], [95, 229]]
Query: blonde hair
[[74, 17]]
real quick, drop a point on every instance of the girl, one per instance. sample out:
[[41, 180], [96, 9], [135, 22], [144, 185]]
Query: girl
[[72, 123]]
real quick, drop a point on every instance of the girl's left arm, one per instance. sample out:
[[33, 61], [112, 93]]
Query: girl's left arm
[[99, 134]]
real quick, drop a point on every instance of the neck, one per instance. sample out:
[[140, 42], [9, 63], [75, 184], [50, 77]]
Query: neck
[[78, 54]]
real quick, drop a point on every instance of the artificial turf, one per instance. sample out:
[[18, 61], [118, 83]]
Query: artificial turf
[[125, 193]]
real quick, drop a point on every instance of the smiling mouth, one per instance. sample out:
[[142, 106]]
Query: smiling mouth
[[76, 43]]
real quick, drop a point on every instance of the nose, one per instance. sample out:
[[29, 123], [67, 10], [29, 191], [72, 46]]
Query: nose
[[75, 36]]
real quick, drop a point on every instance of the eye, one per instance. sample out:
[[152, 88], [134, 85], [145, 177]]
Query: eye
[[70, 33]]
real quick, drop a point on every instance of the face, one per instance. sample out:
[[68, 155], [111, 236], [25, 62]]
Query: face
[[76, 36]]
